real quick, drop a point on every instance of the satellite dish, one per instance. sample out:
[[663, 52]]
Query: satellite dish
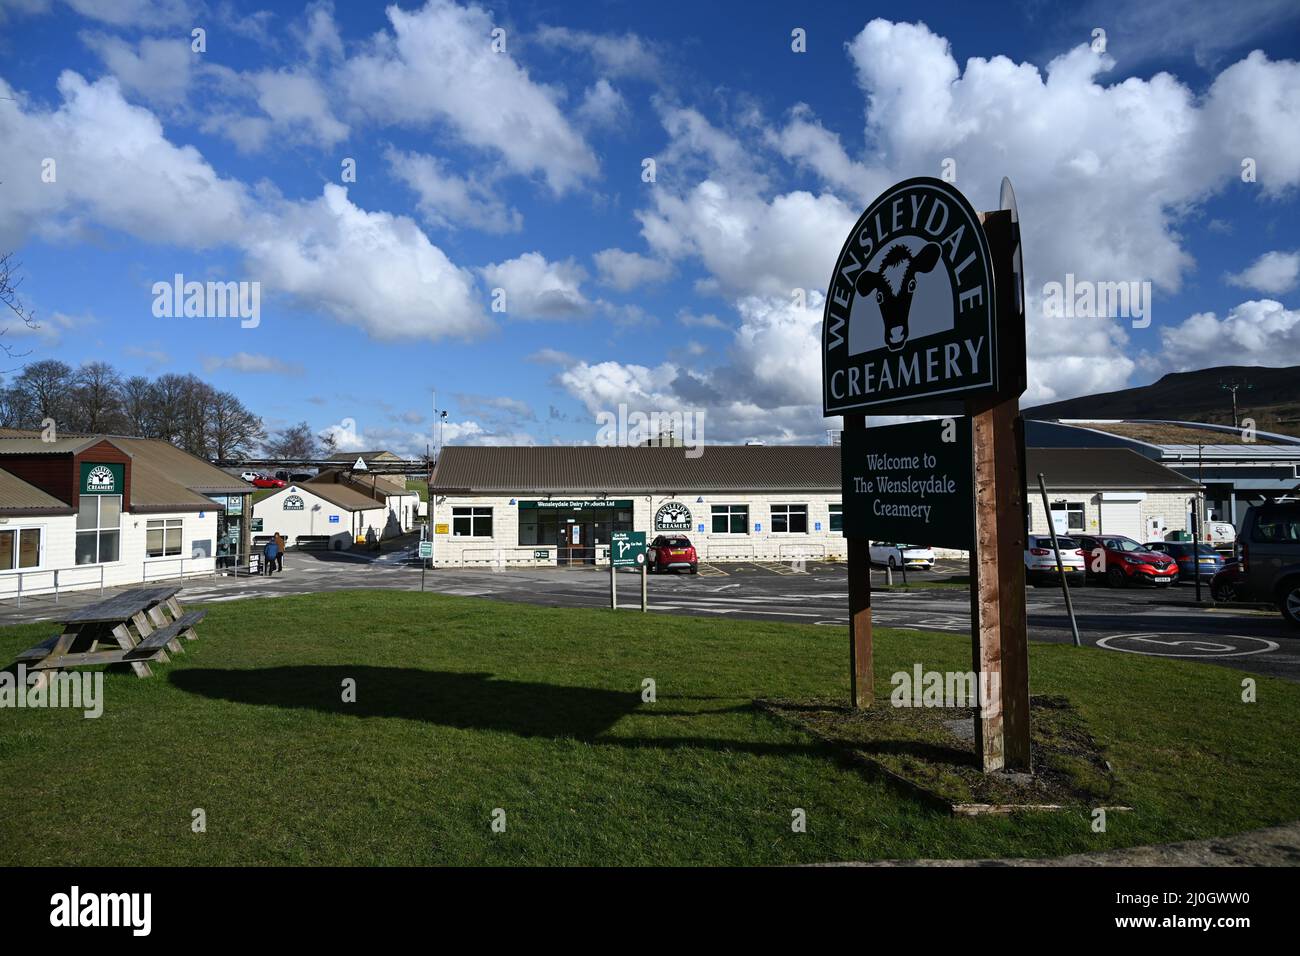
[[361, 463]]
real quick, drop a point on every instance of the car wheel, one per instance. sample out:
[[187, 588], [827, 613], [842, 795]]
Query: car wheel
[[1223, 593], [1115, 578], [1289, 603], [893, 565], [695, 569]]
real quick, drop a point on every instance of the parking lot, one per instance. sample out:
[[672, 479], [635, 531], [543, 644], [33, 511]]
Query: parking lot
[[1163, 623]]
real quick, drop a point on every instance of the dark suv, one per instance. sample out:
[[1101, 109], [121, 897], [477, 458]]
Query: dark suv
[[1268, 553]]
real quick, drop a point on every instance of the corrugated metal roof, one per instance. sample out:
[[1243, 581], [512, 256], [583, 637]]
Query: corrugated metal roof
[[566, 469], [17, 497], [742, 468], [341, 495], [30, 444], [163, 477]]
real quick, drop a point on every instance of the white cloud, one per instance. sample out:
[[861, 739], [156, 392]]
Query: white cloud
[[123, 13], [626, 270], [1272, 273], [158, 70], [602, 105], [750, 246], [374, 270], [1258, 332], [297, 103], [115, 169], [538, 289], [446, 199], [252, 363], [436, 64], [616, 55]]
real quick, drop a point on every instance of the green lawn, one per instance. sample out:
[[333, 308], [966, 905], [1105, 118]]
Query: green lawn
[[466, 705], [420, 486]]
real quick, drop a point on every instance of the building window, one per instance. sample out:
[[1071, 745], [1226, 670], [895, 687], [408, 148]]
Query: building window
[[731, 519], [20, 548], [471, 522], [836, 516], [162, 537], [1073, 514], [99, 528], [789, 519]]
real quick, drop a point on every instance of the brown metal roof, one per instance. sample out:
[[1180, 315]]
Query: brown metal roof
[[163, 477], [570, 470], [567, 469], [346, 498], [17, 497]]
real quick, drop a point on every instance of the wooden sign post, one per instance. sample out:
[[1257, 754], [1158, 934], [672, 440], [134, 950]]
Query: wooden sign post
[[925, 315], [861, 651]]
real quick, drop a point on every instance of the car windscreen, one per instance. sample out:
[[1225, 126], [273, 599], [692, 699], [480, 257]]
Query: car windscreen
[[676, 543], [1121, 544]]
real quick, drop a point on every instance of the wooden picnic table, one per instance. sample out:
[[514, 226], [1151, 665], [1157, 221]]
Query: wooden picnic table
[[142, 624]]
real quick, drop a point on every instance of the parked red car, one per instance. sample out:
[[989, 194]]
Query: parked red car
[[265, 481], [1127, 561], [672, 551]]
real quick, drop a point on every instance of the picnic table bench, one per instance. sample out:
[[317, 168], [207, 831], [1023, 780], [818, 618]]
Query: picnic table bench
[[142, 625]]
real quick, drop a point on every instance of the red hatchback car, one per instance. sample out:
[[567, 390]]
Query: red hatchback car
[[265, 481], [1127, 561], [672, 551]]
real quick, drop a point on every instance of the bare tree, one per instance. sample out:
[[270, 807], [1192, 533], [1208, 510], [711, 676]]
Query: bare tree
[[44, 390], [9, 283], [235, 430], [137, 406], [297, 441], [97, 399], [329, 443]]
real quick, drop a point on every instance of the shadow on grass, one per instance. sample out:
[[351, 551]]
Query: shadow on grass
[[464, 700], [467, 701]]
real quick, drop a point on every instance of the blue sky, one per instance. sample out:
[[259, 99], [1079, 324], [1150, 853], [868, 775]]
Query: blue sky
[[521, 169]]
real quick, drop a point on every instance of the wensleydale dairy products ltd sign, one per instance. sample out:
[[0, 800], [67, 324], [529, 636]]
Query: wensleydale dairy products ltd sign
[[910, 312]]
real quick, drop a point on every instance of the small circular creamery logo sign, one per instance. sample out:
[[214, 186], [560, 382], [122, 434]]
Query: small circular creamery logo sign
[[910, 309], [673, 516], [101, 479]]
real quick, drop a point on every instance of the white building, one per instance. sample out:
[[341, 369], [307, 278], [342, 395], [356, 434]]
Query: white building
[[558, 504], [93, 510], [321, 514]]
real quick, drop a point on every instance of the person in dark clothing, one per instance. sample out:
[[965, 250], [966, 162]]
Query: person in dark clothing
[[270, 555], [279, 556]]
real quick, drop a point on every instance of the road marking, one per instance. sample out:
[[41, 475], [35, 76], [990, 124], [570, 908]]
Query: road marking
[[710, 569], [1203, 646]]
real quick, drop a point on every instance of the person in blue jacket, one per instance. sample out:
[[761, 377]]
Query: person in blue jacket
[[271, 552]]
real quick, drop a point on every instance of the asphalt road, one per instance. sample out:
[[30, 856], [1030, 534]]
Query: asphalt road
[[1128, 620]]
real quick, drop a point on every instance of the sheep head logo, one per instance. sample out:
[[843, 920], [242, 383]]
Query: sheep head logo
[[893, 286]]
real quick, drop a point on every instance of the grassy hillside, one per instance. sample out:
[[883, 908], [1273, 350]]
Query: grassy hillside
[[1273, 399]]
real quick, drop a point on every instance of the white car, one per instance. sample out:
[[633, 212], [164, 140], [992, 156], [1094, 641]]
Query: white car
[[248, 475], [902, 555], [1040, 559]]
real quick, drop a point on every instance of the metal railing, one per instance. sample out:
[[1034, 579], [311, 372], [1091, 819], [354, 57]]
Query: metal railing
[[180, 575], [55, 582]]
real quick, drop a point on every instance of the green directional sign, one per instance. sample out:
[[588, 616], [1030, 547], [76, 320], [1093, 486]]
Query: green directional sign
[[627, 549], [426, 549]]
